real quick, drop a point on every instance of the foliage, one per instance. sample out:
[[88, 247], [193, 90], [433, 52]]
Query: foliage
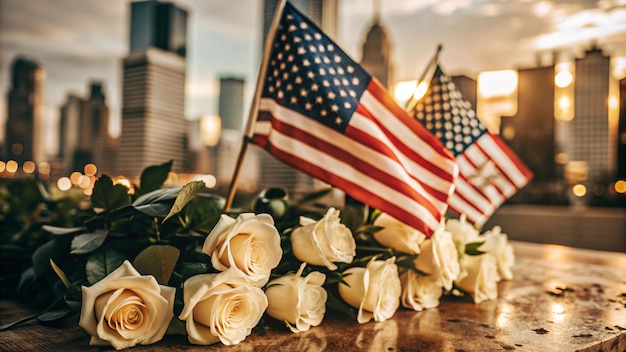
[[56, 245]]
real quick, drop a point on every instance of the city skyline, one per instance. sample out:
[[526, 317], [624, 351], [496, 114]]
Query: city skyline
[[77, 42]]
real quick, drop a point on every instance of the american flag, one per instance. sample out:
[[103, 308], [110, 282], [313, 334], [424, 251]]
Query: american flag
[[323, 114], [490, 172]]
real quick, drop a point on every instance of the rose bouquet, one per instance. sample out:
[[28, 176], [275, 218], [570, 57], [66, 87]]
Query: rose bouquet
[[138, 266]]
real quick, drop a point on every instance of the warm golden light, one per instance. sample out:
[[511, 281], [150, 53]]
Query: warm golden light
[[579, 190], [563, 79], [121, 180], [620, 186], [3, 166], [561, 158], [402, 91], [74, 177], [28, 167], [564, 91], [83, 181], [64, 183], [420, 90], [44, 168], [90, 169], [558, 313], [564, 103], [497, 97], [409, 90], [497, 83], [210, 128], [209, 180], [12, 166]]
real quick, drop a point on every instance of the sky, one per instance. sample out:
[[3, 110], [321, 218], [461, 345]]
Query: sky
[[82, 41]]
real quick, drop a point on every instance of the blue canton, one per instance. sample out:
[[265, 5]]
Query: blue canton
[[308, 73], [445, 113]]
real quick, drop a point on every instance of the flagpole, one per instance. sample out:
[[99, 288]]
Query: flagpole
[[254, 107], [432, 63]]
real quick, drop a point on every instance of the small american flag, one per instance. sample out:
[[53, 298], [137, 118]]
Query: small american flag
[[323, 114], [490, 172]]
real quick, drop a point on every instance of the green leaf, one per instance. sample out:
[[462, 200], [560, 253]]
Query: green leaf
[[152, 177], [155, 209], [158, 261], [202, 213], [472, 248], [54, 314], [103, 262], [55, 230], [353, 216], [407, 262], [108, 196], [313, 197], [54, 249], [188, 270], [88, 242], [159, 195], [368, 229], [184, 196]]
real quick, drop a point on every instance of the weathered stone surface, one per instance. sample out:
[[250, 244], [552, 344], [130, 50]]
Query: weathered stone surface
[[561, 299]]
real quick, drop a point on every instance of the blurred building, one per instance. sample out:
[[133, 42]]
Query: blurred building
[[322, 12], [467, 87], [589, 139], [153, 93], [376, 56], [24, 129], [231, 102], [84, 132], [531, 132]]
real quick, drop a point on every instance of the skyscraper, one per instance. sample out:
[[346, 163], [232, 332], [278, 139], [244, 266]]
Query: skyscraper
[[589, 129], [153, 93], [70, 116], [23, 133], [531, 132], [322, 12], [376, 59]]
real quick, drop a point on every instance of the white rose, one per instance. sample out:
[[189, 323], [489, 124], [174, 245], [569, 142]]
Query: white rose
[[375, 290], [439, 257], [482, 277], [125, 309], [323, 242], [250, 244], [397, 235], [298, 301], [419, 291], [497, 244], [462, 232], [221, 307]]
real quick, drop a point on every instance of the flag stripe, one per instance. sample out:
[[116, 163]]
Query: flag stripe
[[327, 153], [510, 164], [411, 134], [330, 142], [322, 113], [490, 172]]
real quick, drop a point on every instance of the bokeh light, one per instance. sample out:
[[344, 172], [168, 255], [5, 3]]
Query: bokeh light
[[579, 190], [28, 167], [64, 183], [90, 169]]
